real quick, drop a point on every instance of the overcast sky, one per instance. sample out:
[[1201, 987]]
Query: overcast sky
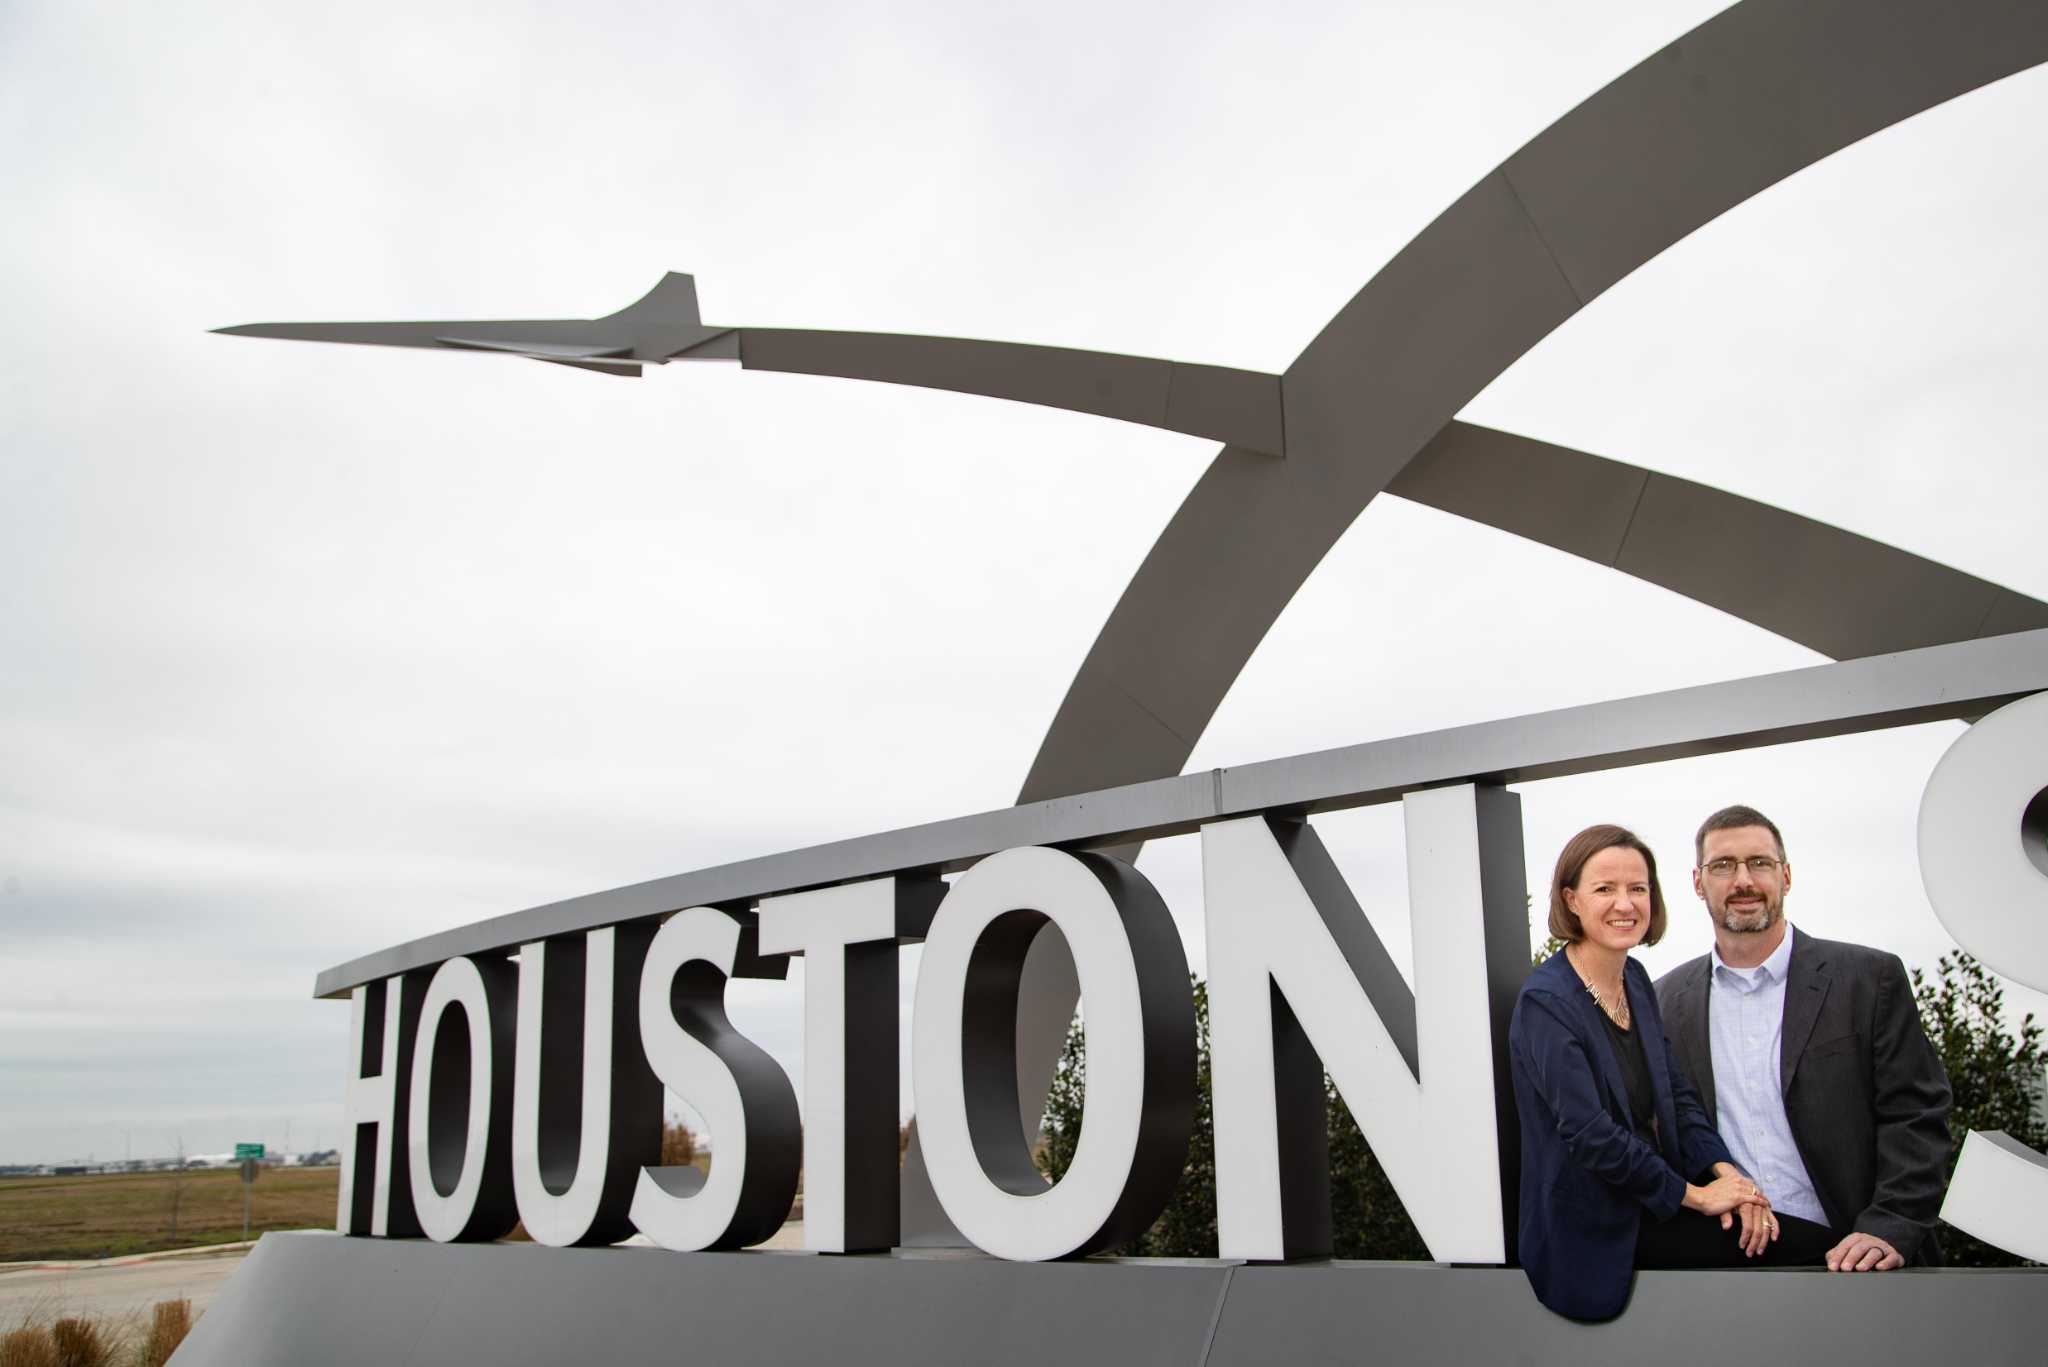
[[309, 650]]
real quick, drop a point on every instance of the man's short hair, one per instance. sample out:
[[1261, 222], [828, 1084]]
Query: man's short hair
[[1734, 819]]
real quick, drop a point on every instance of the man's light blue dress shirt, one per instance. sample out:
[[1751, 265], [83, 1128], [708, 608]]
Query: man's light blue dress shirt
[[1746, 1023]]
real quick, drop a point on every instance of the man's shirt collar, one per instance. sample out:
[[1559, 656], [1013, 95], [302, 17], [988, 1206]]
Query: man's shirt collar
[[1771, 970]]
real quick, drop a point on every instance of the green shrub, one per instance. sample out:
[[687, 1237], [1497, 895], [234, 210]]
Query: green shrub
[[1368, 1220], [1992, 1071]]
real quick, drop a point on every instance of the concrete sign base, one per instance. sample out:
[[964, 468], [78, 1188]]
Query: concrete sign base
[[314, 1299]]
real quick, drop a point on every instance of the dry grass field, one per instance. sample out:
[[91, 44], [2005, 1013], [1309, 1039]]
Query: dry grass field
[[113, 1214]]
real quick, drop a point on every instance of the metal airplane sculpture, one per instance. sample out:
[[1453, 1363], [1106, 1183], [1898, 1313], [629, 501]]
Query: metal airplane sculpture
[[661, 326], [1240, 407]]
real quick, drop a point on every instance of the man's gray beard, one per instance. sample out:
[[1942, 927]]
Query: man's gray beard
[[1752, 922]]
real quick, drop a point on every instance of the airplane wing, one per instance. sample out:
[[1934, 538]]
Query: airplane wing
[[661, 326]]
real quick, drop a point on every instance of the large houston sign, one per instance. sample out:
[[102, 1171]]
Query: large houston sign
[[496, 1079], [514, 1068]]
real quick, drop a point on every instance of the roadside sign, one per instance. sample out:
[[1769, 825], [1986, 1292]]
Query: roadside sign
[[250, 1167]]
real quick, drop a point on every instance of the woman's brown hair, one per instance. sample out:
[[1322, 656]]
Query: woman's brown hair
[[1571, 862]]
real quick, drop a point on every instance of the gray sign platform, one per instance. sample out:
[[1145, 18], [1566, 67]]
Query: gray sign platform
[[311, 1299]]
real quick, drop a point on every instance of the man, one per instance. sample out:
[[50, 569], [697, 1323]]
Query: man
[[1810, 1059]]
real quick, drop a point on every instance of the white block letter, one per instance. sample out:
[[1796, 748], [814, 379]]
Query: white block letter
[[1984, 861], [573, 1171], [748, 1108], [459, 1130], [1141, 1047], [848, 937], [1294, 971], [371, 1099]]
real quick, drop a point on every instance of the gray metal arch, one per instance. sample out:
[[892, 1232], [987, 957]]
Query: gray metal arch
[[1833, 591], [1758, 92]]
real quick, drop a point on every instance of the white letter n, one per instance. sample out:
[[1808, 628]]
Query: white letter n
[[1298, 983]]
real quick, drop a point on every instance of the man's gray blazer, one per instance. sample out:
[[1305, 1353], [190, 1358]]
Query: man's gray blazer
[[1864, 1090]]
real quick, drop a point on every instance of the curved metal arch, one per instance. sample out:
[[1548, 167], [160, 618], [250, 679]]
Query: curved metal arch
[[1241, 407], [1756, 93], [1830, 590]]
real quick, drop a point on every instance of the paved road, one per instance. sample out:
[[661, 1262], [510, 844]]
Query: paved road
[[134, 1288], [114, 1291]]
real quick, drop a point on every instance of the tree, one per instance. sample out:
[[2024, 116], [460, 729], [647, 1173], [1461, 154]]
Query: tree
[[1187, 1227], [678, 1144], [1993, 1073], [1368, 1218]]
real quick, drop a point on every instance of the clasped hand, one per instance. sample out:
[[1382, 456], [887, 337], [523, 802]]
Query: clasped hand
[[1733, 1197]]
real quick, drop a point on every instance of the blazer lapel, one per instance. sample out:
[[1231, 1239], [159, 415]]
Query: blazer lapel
[[1653, 1055], [1688, 1022], [1806, 991], [1595, 1032]]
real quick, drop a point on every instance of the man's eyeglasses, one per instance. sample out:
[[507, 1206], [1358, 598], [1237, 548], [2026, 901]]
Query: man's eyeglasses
[[1760, 866]]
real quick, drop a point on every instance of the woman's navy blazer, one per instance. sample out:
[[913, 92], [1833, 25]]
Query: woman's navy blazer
[[1586, 1179]]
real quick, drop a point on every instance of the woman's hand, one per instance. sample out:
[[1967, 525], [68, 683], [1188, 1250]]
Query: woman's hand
[[1759, 1223], [1725, 1194]]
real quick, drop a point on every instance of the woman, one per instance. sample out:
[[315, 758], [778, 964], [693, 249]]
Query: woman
[[1620, 1166]]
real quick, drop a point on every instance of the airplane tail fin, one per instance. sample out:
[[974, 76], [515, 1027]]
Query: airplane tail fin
[[672, 300], [665, 322]]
